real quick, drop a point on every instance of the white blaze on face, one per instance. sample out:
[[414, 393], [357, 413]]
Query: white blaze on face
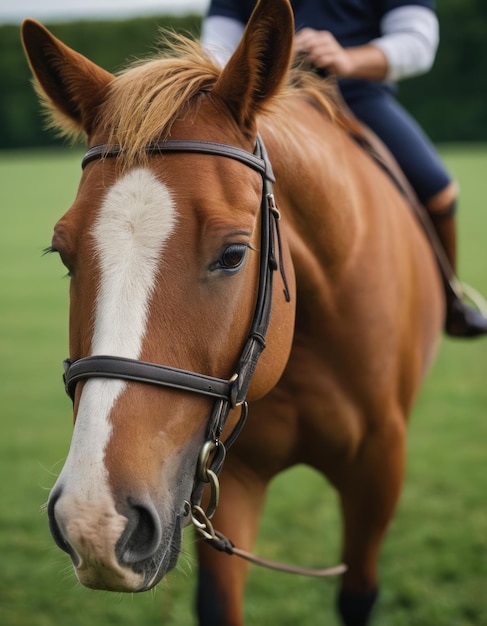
[[135, 220]]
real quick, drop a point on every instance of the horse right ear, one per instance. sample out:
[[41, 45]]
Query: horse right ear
[[260, 64], [71, 86]]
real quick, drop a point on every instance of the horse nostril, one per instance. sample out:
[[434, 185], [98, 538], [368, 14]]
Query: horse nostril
[[55, 528], [142, 535]]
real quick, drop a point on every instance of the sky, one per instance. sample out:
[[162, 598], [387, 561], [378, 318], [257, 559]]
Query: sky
[[14, 11]]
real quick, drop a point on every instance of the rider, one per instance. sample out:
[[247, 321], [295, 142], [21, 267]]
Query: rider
[[369, 45]]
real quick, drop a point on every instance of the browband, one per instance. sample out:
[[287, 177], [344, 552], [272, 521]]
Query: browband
[[261, 165]]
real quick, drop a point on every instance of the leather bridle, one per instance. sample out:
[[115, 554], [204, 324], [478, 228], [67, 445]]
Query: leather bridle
[[227, 394]]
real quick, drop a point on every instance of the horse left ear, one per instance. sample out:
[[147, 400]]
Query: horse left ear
[[71, 86], [260, 64]]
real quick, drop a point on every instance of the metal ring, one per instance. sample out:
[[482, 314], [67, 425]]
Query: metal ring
[[203, 524], [214, 493], [204, 456]]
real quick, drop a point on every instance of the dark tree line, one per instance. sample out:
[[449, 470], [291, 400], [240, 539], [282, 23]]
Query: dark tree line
[[450, 101]]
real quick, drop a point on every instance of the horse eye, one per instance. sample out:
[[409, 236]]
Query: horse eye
[[53, 250], [233, 256]]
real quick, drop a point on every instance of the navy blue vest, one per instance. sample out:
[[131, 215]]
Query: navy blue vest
[[352, 22]]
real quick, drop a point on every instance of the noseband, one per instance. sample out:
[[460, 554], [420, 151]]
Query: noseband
[[227, 394]]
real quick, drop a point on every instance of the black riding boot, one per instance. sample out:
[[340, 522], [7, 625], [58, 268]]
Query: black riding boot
[[461, 320]]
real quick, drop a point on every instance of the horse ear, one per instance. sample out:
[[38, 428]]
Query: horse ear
[[71, 86], [260, 63]]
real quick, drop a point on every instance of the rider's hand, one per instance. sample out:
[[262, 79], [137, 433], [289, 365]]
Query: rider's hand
[[323, 51], [320, 48]]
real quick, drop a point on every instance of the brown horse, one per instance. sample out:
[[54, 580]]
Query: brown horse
[[171, 245]]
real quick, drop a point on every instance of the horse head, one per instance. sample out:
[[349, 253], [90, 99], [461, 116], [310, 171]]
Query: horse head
[[164, 256]]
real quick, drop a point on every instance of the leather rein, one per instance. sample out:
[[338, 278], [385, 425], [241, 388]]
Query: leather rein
[[229, 393]]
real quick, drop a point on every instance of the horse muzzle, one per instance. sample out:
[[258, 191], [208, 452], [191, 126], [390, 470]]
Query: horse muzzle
[[128, 551]]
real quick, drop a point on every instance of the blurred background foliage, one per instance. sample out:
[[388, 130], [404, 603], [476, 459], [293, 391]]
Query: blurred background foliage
[[450, 102], [110, 44]]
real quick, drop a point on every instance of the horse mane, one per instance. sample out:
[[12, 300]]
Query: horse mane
[[146, 98]]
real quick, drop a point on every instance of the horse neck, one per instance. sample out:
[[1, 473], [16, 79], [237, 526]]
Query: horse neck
[[318, 186]]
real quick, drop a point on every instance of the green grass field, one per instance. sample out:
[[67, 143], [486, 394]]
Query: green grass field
[[434, 562]]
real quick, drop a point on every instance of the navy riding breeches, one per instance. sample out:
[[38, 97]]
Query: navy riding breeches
[[378, 109]]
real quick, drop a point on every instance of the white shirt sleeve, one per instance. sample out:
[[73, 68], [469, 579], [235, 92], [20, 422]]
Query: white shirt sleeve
[[220, 36], [410, 39]]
